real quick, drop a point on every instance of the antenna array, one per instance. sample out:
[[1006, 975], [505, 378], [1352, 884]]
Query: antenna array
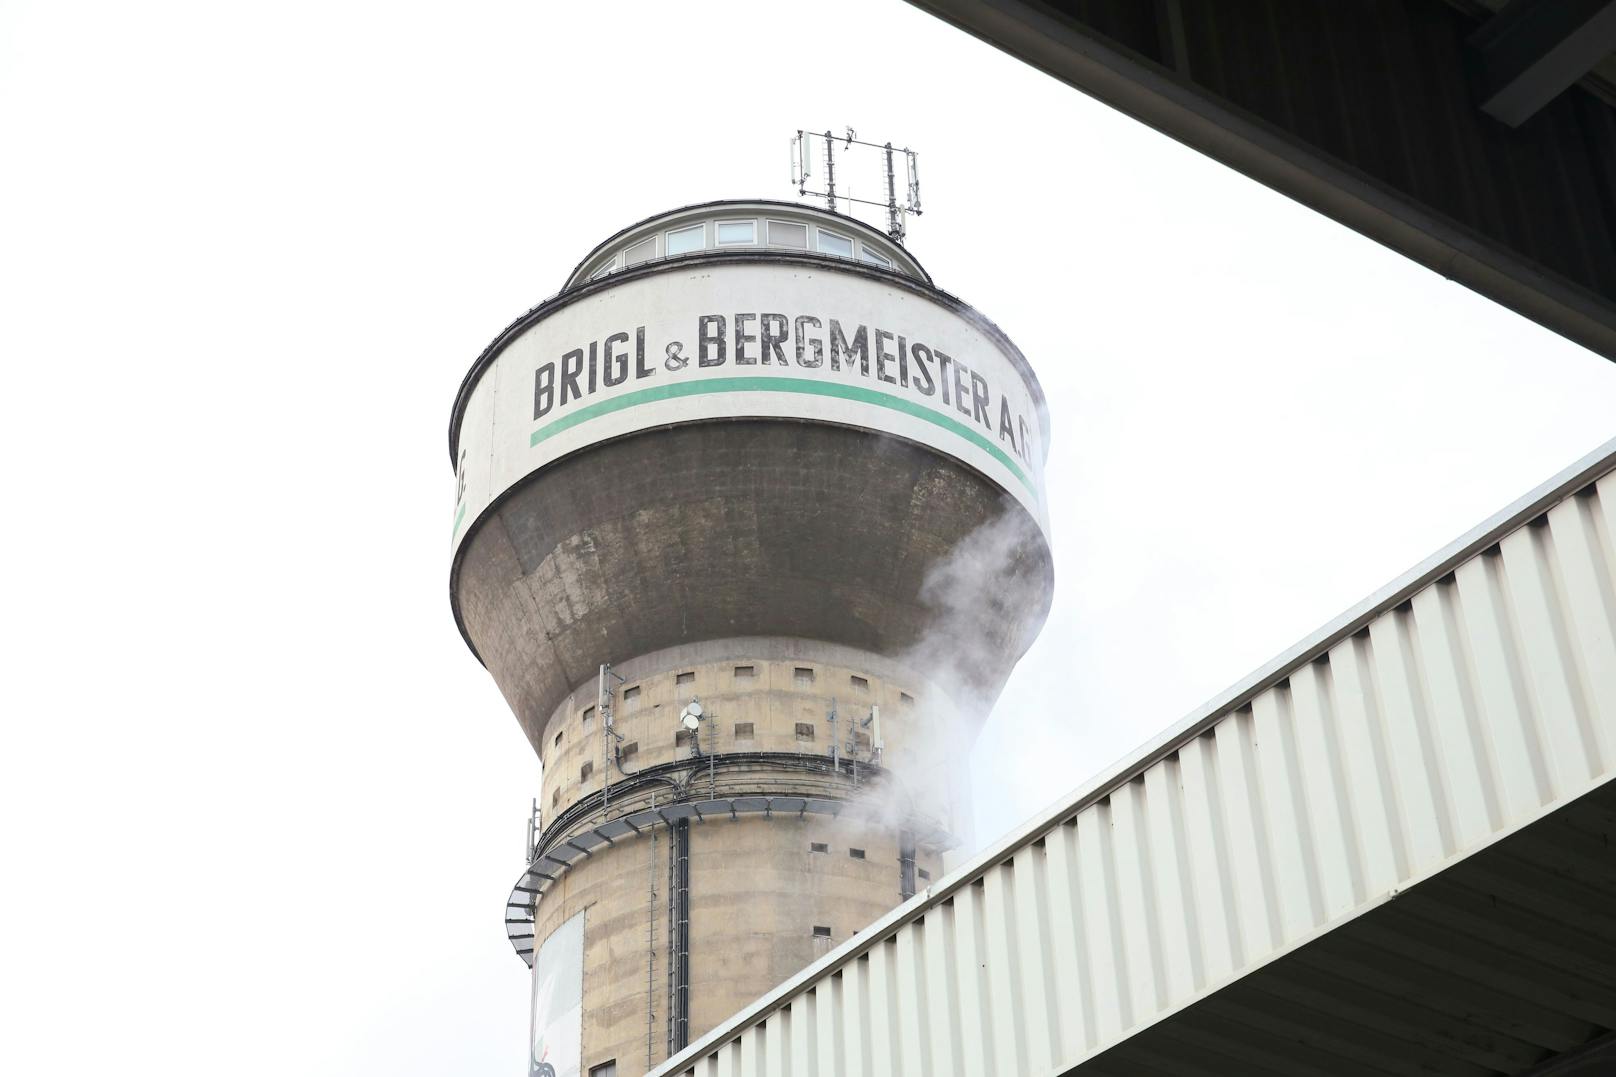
[[802, 164]]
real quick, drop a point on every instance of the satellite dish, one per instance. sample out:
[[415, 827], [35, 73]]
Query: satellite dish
[[690, 721], [693, 707]]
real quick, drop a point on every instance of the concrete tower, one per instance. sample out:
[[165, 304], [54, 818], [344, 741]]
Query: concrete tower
[[750, 531]]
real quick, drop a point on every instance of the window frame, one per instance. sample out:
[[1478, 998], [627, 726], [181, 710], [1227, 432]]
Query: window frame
[[869, 256], [852, 247], [719, 223], [700, 226], [656, 246], [767, 242]]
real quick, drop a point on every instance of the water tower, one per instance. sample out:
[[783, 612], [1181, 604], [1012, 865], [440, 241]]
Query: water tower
[[749, 530]]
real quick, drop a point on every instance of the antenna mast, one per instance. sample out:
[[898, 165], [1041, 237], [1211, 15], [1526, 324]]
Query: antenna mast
[[802, 162]]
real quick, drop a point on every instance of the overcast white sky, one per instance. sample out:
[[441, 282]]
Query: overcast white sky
[[261, 807]]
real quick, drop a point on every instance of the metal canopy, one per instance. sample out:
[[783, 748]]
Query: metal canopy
[[1504, 960], [1392, 850], [1376, 113]]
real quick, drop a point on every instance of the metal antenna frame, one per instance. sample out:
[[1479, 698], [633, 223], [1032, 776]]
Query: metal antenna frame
[[802, 167]]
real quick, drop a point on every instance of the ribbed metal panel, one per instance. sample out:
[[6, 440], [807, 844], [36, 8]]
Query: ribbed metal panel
[[1467, 703]]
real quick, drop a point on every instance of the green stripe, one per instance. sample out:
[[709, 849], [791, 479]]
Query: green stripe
[[460, 518], [703, 386]]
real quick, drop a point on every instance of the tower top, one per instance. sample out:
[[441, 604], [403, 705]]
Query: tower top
[[739, 226]]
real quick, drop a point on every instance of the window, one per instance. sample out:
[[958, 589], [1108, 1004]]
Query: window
[[906, 699], [861, 683], [784, 234], [605, 269], [630, 749], [605, 1069], [743, 730], [731, 233], [831, 243], [805, 731], [555, 798], [861, 741], [558, 737], [803, 675], [856, 854], [924, 874], [631, 695], [685, 240], [819, 847], [585, 771], [589, 716], [643, 251], [743, 673], [821, 931], [683, 738], [875, 259], [684, 678]]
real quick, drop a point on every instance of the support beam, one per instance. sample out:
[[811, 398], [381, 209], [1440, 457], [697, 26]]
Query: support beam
[[1534, 50], [1367, 113]]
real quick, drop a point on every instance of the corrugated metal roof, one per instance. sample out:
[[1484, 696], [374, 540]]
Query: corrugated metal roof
[[1388, 851]]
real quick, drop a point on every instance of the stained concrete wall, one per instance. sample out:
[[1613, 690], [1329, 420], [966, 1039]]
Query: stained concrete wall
[[758, 887], [757, 891], [769, 687], [748, 527]]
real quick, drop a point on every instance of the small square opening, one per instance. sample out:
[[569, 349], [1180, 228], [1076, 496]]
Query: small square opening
[[805, 731], [819, 847], [631, 748], [906, 699], [856, 854], [745, 673], [743, 730], [631, 695], [861, 684], [585, 771], [589, 716], [803, 675], [821, 931], [683, 737], [685, 678]]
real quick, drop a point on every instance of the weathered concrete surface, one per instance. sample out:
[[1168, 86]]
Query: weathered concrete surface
[[758, 888], [791, 682], [714, 530]]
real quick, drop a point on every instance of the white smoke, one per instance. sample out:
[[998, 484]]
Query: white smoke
[[985, 602]]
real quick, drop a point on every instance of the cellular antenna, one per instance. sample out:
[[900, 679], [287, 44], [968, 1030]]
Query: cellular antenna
[[805, 148]]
